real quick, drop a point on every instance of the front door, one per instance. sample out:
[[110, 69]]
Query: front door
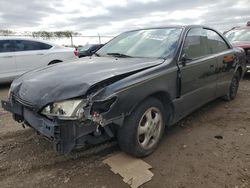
[[198, 72]]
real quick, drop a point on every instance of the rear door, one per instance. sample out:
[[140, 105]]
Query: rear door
[[30, 55], [198, 73], [7, 61], [226, 61]]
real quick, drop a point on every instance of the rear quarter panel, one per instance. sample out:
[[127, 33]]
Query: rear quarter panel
[[66, 54]]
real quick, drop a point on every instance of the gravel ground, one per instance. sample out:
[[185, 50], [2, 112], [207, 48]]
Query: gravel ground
[[209, 148]]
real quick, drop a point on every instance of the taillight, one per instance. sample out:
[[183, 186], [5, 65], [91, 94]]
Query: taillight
[[76, 53]]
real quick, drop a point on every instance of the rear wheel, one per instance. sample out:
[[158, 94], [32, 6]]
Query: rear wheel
[[233, 89], [143, 129]]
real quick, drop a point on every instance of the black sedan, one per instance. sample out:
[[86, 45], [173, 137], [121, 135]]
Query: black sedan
[[88, 50], [136, 85]]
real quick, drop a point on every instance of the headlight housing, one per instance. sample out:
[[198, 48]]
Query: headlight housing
[[66, 110]]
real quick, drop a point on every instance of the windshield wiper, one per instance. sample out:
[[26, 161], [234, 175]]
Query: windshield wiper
[[118, 55]]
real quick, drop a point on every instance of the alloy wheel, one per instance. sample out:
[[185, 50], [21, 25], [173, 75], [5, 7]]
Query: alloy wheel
[[150, 127]]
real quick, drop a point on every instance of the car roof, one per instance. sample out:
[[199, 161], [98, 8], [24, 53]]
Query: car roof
[[239, 28], [30, 39], [247, 26], [173, 26]]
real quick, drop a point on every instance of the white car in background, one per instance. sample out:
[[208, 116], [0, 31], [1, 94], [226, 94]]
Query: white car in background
[[18, 56]]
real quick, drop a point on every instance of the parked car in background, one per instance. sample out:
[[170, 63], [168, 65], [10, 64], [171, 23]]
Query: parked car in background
[[131, 89], [18, 56], [240, 37], [88, 50]]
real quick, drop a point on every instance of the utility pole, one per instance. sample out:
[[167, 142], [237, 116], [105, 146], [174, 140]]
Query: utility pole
[[99, 37], [71, 38]]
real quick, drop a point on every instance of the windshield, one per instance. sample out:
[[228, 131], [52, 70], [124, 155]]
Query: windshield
[[240, 35], [149, 43]]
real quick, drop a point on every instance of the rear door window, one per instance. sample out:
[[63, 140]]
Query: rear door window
[[6, 46], [26, 45], [216, 42], [196, 44]]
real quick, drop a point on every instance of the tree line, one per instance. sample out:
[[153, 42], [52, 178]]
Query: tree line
[[44, 34]]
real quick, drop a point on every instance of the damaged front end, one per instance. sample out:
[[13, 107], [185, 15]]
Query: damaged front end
[[71, 123], [79, 107], [68, 124]]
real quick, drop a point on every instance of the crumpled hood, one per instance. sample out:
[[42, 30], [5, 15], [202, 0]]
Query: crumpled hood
[[72, 79]]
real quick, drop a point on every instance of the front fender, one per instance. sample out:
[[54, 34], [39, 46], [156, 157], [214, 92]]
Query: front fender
[[136, 89]]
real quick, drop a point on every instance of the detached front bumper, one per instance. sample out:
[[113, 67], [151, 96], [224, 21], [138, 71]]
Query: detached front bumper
[[65, 135], [22, 114]]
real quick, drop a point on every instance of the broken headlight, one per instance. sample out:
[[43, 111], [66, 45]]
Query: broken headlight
[[66, 110], [103, 106]]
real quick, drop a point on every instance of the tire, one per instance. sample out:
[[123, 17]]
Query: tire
[[233, 89], [143, 129]]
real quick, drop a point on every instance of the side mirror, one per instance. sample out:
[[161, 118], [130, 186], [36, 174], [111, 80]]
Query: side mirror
[[184, 59]]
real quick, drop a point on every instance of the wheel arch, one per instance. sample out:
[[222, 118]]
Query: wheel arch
[[55, 61], [240, 70], [165, 99]]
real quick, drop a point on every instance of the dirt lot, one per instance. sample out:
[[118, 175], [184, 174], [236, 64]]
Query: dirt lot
[[189, 155]]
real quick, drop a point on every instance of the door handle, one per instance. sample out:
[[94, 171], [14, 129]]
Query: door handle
[[39, 54], [211, 66], [8, 56]]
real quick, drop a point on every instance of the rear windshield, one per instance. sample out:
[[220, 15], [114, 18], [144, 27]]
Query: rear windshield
[[238, 35]]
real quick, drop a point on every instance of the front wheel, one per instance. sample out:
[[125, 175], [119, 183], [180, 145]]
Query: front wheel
[[233, 89], [143, 129]]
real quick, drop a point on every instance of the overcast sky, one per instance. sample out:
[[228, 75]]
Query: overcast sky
[[110, 17]]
